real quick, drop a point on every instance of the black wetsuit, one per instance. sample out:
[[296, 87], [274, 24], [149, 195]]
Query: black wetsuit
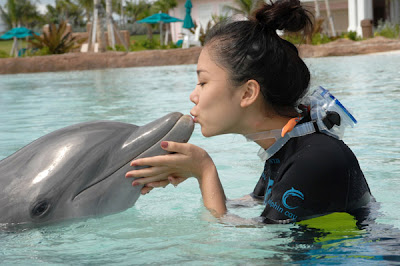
[[311, 176]]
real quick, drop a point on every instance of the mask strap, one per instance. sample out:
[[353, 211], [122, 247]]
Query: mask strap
[[270, 134], [274, 133]]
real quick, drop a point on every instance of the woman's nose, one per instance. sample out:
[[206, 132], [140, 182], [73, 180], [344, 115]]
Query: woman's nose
[[194, 97]]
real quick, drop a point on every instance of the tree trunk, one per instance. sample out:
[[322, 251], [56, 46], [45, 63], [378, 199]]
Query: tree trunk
[[110, 29], [317, 11], [92, 39], [122, 19], [99, 26], [149, 32], [330, 19]]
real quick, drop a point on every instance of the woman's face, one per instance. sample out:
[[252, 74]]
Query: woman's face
[[217, 104]]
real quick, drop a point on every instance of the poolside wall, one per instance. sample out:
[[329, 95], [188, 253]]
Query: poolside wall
[[86, 61]]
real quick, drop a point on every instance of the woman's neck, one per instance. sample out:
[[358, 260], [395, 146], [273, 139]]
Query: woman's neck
[[266, 123]]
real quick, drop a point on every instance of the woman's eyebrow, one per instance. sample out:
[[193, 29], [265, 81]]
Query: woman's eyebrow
[[201, 70]]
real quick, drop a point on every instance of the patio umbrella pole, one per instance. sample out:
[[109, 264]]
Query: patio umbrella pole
[[161, 38], [15, 34], [14, 47]]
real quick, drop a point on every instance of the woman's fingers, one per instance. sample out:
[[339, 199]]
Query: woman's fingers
[[148, 187], [158, 184], [149, 161], [176, 180], [176, 147], [145, 190], [147, 180], [146, 172]]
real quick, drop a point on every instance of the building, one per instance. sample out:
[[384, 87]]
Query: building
[[201, 13], [346, 14], [3, 26]]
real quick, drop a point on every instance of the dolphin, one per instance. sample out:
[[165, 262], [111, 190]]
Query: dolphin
[[79, 171]]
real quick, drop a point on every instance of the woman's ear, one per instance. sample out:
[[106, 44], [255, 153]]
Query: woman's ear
[[251, 90]]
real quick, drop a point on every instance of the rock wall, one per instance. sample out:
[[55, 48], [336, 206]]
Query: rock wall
[[86, 61]]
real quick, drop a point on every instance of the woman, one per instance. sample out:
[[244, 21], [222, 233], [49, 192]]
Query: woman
[[251, 81]]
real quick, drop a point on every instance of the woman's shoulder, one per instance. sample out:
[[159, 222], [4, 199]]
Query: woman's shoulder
[[319, 149], [321, 143]]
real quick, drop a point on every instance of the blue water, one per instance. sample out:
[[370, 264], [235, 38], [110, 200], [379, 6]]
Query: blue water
[[171, 226]]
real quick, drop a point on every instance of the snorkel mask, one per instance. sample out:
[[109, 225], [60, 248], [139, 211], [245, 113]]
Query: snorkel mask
[[328, 116]]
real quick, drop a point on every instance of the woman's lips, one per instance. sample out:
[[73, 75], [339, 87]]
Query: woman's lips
[[194, 116]]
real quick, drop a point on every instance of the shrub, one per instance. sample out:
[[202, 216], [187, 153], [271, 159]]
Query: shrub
[[387, 29], [149, 44], [118, 47], [56, 41], [351, 35], [317, 38], [320, 38]]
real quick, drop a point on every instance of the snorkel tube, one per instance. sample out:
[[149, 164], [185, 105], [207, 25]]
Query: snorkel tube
[[328, 116]]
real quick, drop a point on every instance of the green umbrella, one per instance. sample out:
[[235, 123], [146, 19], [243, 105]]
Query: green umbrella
[[159, 18], [188, 22], [20, 32], [17, 33]]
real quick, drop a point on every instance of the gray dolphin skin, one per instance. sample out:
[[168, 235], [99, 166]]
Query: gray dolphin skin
[[79, 171]]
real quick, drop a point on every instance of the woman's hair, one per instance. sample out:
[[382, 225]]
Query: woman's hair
[[252, 49]]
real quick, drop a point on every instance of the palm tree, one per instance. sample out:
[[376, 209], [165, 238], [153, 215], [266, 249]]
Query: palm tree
[[19, 13], [243, 7], [317, 11], [88, 6], [110, 28], [10, 14], [164, 6], [65, 10], [98, 26], [139, 10], [330, 19]]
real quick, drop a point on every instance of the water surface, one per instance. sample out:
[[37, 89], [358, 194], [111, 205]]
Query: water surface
[[171, 226]]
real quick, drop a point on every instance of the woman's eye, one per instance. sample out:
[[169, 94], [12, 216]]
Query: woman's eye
[[201, 84]]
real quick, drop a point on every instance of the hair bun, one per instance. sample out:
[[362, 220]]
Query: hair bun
[[286, 15]]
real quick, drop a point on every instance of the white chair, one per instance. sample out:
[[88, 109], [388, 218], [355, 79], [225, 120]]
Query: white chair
[[192, 40]]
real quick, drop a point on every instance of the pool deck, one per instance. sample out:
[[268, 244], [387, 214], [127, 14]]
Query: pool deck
[[87, 61]]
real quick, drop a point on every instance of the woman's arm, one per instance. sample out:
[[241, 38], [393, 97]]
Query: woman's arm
[[187, 160], [212, 191], [245, 201]]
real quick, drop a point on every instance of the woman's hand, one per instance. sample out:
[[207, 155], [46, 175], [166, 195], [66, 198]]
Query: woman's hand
[[187, 160]]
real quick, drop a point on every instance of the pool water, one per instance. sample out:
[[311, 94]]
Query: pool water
[[171, 226]]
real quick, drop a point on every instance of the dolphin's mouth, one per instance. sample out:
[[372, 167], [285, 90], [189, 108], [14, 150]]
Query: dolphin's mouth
[[180, 131]]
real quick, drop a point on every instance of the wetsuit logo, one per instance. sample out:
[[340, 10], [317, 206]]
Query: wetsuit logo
[[291, 193]]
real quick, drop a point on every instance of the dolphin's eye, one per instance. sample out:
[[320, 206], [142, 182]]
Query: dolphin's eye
[[40, 209]]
